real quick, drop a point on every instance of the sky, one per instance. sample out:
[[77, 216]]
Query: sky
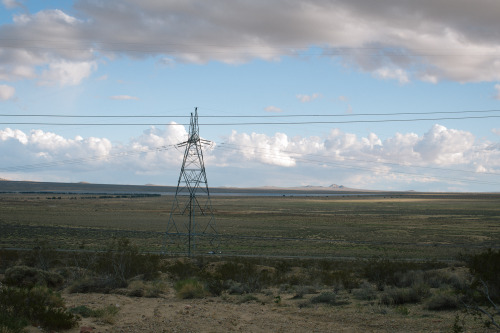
[[381, 95]]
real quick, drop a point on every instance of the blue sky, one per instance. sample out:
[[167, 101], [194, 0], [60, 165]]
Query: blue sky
[[353, 67]]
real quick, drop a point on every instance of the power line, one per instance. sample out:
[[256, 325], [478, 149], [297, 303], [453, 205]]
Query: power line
[[27, 167], [236, 146], [372, 169], [252, 123], [251, 116], [305, 158]]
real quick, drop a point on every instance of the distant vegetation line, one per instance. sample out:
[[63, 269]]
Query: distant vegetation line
[[116, 233]]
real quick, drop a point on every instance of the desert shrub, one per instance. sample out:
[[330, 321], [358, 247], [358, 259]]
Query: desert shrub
[[325, 298], [28, 277], [485, 267], [150, 266], [382, 271], [236, 271], [190, 288], [246, 273], [298, 279], [95, 284], [458, 324], [304, 304], [458, 282], [399, 296], [42, 256], [405, 279], [285, 287], [436, 279], [135, 292], [324, 265], [112, 268], [422, 290], [379, 309], [139, 288], [442, 301], [183, 269], [8, 258], [39, 306], [247, 298], [236, 288], [122, 261], [105, 315], [300, 291], [82, 263], [189, 269], [403, 310], [282, 268], [10, 323], [136, 288], [365, 292], [309, 290], [339, 278], [83, 311], [99, 312], [481, 296], [215, 286]]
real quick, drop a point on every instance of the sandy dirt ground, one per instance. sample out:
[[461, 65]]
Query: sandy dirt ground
[[228, 314]]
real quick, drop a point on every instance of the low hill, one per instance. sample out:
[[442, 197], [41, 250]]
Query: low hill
[[7, 186]]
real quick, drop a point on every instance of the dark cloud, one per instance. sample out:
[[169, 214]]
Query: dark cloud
[[428, 40]]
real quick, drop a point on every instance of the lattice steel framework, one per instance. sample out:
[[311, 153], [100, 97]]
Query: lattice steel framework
[[191, 226]]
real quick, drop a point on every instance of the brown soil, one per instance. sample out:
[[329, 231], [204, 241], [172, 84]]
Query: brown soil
[[266, 314]]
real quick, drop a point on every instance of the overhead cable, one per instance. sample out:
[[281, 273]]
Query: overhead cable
[[340, 164], [253, 116], [253, 123]]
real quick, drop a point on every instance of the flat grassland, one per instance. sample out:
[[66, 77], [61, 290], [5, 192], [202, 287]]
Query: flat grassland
[[394, 225], [325, 288]]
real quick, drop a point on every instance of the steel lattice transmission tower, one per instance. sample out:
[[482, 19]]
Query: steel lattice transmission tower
[[191, 225]]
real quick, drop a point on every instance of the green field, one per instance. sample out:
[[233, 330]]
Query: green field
[[397, 225]]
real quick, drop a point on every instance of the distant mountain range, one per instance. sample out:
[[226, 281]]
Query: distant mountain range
[[84, 187]]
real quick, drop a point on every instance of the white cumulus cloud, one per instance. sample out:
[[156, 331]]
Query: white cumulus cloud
[[17, 135], [273, 108], [405, 160], [445, 146], [6, 92], [67, 73], [440, 146], [262, 148], [27, 150], [155, 149], [392, 73], [308, 98], [124, 97]]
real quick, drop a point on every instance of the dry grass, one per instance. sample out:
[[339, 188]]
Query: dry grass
[[403, 225]]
